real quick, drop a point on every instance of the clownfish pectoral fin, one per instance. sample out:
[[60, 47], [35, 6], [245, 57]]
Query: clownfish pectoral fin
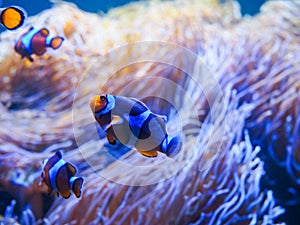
[[49, 190], [76, 186], [56, 42], [152, 153], [29, 58], [44, 32], [111, 139], [71, 170], [116, 120], [12, 17]]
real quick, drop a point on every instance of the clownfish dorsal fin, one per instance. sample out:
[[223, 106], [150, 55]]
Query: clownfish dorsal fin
[[44, 32], [71, 169]]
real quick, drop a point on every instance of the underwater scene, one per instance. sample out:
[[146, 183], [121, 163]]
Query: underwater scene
[[149, 112]]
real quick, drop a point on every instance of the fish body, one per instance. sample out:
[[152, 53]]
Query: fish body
[[12, 17], [36, 41], [59, 176], [131, 122]]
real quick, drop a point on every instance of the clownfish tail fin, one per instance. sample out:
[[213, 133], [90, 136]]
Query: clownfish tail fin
[[171, 146], [56, 42], [76, 185], [12, 17]]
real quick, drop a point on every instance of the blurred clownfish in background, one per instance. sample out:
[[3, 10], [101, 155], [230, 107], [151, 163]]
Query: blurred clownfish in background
[[36, 41], [12, 17], [131, 122], [58, 175]]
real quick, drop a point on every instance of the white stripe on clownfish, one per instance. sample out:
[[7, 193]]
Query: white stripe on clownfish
[[139, 122], [44, 163], [140, 119], [48, 41], [71, 181], [26, 40], [53, 172]]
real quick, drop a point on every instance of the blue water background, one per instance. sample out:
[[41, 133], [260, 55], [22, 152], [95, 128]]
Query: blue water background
[[35, 6], [32, 7]]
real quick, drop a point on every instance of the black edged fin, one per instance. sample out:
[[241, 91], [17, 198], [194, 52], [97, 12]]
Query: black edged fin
[[56, 42], [71, 169], [59, 154], [67, 195], [29, 57], [110, 139], [174, 146], [77, 185], [44, 32], [148, 153]]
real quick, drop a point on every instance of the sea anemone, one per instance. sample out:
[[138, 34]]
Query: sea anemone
[[222, 84]]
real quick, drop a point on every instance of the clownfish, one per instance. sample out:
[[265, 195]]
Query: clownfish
[[12, 17], [131, 122], [58, 175], [36, 41]]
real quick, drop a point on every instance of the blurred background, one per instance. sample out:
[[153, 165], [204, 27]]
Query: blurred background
[[33, 7]]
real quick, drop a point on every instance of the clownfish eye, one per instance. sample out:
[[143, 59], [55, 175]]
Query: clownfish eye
[[102, 98]]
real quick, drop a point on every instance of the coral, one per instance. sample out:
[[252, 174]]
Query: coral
[[9, 217], [248, 82], [225, 192], [271, 83]]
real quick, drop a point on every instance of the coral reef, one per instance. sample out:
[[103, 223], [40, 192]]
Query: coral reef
[[227, 83]]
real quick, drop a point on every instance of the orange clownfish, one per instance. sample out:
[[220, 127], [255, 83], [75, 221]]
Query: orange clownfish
[[58, 175], [36, 41], [12, 17], [131, 122]]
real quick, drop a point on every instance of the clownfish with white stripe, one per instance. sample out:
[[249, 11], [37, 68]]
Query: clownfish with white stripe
[[12, 17], [36, 41], [59, 176], [130, 122]]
